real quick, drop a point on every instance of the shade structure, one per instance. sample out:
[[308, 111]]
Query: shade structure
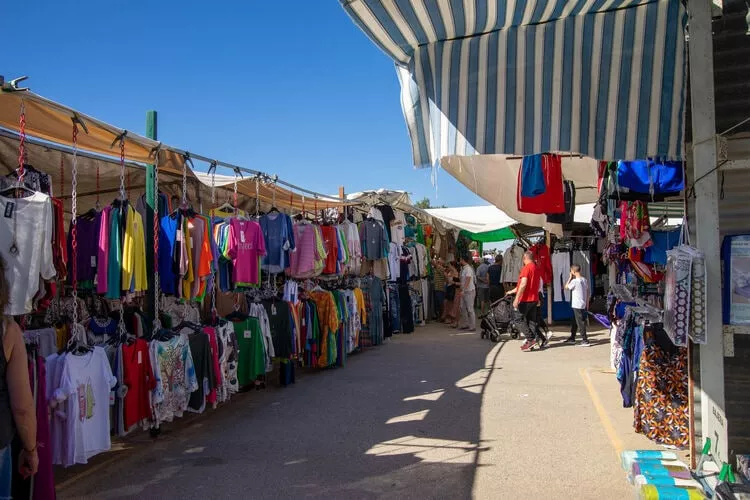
[[485, 224], [47, 121], [603, 78]]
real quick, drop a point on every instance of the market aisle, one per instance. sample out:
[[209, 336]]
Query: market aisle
[[432, 415]]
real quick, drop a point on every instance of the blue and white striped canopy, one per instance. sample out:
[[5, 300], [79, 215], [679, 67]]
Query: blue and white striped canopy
[[603, 78]]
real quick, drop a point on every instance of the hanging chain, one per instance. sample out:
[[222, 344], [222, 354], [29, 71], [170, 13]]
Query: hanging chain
[[22, 143], [235, 193], [98, 205], [122, 168], [212, 168], [257, 195], [184, 182], [236, 212], [157, 284], [62, 175], [122, 330], [74, 225]]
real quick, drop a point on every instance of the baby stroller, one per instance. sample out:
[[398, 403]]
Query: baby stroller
[[502, 318], [499, 320]]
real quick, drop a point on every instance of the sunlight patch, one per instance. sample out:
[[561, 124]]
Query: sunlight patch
[[409, 417], [474, 382], [430, 396], [428, 449]]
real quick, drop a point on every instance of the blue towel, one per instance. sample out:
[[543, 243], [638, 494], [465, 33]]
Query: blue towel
[[532, 176]]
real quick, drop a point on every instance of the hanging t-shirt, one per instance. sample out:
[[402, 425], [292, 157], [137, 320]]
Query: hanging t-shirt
[[373, 239], [246, 247], [30, 219], [85, 384], [280, 324], [102, 258], [87, 247], [167, 240], [279, 238], [302, 261], [251, 363], [330, 241], [139, 378]]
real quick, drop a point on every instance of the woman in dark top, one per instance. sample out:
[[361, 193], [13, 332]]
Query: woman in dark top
[[17, 412], [495, 274]]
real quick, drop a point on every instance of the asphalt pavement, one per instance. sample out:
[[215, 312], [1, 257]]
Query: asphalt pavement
[[436, 414]]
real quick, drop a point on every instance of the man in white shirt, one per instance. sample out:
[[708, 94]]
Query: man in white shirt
[[579, 289], [468, 318]]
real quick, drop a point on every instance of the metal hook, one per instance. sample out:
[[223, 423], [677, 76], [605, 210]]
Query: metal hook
[[12, 86], [119, 138]]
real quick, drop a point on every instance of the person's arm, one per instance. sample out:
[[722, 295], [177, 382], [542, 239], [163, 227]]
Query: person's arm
[[21, 399], [570, 285], [521, 287]]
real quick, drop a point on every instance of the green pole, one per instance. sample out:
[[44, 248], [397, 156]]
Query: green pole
[[151, 133]]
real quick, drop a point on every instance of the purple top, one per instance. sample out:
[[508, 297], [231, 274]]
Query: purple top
[[87, 239]]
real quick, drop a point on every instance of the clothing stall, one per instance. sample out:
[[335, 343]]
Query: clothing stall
[[216, 285]]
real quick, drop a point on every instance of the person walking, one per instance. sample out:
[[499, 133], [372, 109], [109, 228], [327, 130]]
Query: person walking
[[17, 413], [579, 301], [495, 277], [483, 286], [526, 301], [468, 295], [439, 282]]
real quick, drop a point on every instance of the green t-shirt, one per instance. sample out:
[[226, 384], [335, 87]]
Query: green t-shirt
[[252, 358]]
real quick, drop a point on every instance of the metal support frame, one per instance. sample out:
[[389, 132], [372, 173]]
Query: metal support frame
[[706, 224], [151, 259]]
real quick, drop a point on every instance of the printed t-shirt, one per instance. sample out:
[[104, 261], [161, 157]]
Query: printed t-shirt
[[139, 378], [533, 282], [85, 385], [246, 247]]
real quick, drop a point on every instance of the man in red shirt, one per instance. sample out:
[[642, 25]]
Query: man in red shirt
[[527, 300]]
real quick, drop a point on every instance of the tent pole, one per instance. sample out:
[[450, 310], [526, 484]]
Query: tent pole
[[151, 133], [706, 226], [548, 242]]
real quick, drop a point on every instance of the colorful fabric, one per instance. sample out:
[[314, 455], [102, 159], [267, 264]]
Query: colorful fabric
[[661, 409]]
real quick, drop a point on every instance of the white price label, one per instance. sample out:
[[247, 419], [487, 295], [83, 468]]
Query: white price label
[[248, 334], [93, 261], [242, 236], [140, 357]]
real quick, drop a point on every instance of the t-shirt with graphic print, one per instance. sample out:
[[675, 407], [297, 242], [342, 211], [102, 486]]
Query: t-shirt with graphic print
[[246, 247]]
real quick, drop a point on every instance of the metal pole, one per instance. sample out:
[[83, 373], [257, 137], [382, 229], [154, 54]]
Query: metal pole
[[706, 224], [151, 259], [548, 242]]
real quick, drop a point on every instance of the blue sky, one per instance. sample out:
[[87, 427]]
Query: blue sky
[[292, 87]]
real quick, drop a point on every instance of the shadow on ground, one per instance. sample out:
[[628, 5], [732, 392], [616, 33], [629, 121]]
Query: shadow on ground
[[399, 421]]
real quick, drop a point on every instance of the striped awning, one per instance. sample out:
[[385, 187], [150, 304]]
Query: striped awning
[[602, 78]]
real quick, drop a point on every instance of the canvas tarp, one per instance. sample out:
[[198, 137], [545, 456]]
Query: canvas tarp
[[495, 178], [485, 224], [53, 122], [50, 158]]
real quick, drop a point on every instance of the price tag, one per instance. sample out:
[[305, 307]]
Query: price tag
[[9, 207], [191, 242], [111, 398], [242, 236], [93, 261], [273, 309], [248, 334], [140, 357]]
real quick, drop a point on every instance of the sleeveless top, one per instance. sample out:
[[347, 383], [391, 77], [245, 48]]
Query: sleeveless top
[[7, 429]]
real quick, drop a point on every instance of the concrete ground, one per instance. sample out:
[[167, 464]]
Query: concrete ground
[[436, 414]]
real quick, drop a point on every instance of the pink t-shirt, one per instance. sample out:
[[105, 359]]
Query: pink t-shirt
[[302, 260], [246, 247]]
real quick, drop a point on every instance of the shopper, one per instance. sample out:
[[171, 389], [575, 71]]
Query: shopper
[[468, 295], [483, 286], [439, 282], [579, 301], [450, 306], [17, 413], [495, 277], [526, 301]]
